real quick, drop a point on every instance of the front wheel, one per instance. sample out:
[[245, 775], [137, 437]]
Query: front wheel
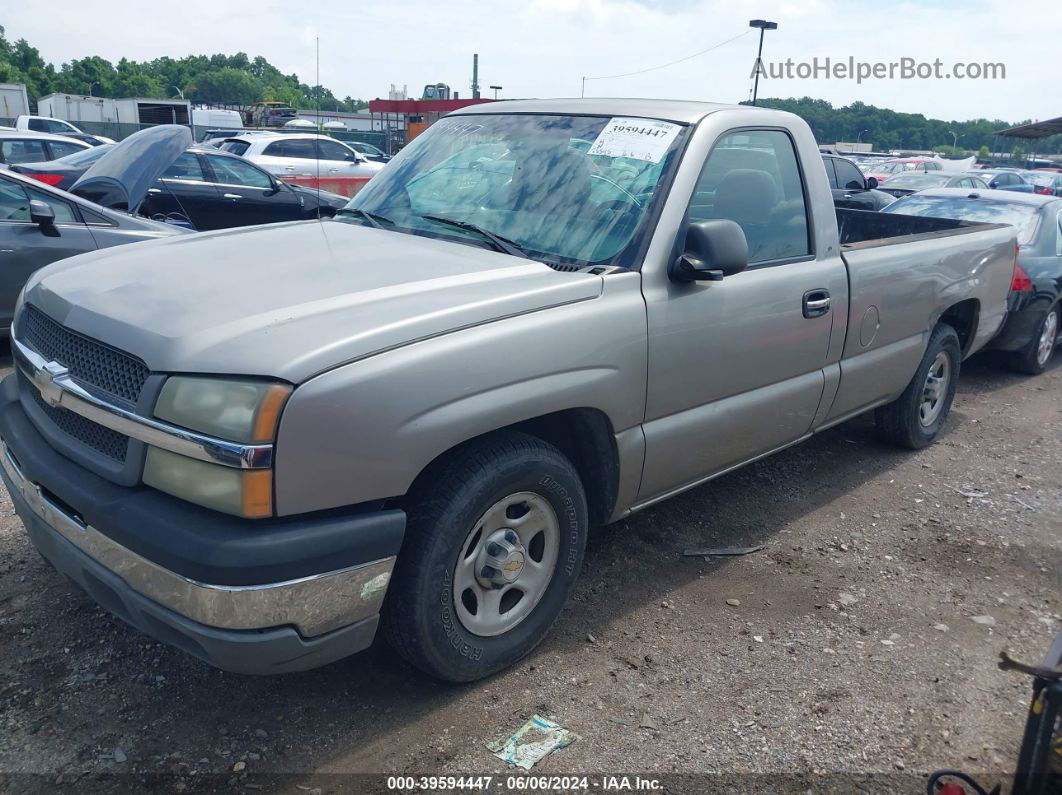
[[494, 542], [915, 418]]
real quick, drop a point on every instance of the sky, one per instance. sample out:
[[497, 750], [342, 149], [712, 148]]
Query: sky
[[543, 48]]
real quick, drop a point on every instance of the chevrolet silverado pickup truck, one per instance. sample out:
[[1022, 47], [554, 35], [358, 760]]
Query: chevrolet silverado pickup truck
[[260, 445]]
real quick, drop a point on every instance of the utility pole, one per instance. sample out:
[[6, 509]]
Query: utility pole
[[475, 76], [763, 25]]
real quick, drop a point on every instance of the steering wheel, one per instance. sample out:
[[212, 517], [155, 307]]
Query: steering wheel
[[634, 199]]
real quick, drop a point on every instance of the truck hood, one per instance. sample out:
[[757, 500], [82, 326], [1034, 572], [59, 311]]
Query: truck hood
[[290, 300]]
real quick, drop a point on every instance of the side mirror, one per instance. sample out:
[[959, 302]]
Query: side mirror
[[872, 182], [42, 213], [714, 248]]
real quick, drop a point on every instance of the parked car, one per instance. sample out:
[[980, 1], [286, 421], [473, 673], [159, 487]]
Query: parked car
[[40, 224], [47, 124], [302, 155], [276, 428], [850, 188], [371, 152], [212, 190], [217, 137], [888, 168], [64, 171], [1047, 183], [1033, 320], [1002, 179], [22, 146], [914, 181], [271, 114]]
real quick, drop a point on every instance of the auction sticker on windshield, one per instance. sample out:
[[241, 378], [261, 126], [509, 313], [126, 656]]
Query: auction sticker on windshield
[[638, 139]]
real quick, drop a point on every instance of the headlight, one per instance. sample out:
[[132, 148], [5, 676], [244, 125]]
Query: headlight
[[240, 411], [243, 492]]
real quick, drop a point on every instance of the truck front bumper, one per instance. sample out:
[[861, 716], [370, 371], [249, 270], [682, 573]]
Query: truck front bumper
[[305, 615]]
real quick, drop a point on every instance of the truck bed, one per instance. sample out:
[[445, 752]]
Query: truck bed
[[870, 228]]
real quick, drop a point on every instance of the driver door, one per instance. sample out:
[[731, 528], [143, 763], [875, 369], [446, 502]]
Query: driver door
[[736, 367]]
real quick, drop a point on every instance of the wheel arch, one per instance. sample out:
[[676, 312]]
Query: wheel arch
[[963, 316], [586, 438]]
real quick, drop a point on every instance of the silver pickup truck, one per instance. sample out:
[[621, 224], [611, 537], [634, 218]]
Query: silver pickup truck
[[259, 445]]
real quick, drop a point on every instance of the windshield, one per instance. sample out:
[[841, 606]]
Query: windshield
[[82, 157], [570, 191], [962, 208], [917, 180]]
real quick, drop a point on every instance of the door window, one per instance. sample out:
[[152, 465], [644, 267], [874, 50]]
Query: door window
[[62, 149], [15, 199], [330, 150], [752, 178], [14, 203], [299, 148], [848, 176], [22, 151], [186, 167], [831, 172], [64, 212], [230, 171]]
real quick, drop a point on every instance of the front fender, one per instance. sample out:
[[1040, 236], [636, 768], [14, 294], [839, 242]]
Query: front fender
[[364, 431]]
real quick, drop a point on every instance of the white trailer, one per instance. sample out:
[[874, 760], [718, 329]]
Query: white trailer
[[134, 110], [14, 101]]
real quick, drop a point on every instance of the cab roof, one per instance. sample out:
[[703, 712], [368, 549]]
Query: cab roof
[[675, 110]]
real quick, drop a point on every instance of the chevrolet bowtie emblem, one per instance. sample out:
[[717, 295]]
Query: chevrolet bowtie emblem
[[45, 380]]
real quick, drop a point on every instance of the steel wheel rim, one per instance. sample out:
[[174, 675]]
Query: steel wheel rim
[[935, 390], [1047, 338], [506, 564]]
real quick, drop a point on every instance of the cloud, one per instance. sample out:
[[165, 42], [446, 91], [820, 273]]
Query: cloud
[[544, 48]]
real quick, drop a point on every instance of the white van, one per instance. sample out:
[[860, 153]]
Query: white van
[[216, 118]]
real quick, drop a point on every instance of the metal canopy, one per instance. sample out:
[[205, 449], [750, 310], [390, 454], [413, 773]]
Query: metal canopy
[[1038, 129]]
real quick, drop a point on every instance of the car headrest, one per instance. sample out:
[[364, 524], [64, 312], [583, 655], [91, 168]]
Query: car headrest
[[745, 195]]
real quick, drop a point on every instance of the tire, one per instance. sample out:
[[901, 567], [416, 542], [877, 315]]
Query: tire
[[915, 418], [464, 515], [1034, 357]]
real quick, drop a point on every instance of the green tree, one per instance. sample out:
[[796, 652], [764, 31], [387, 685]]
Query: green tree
[[226, 85]]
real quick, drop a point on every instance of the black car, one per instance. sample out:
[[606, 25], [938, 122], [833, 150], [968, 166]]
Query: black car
[[210, 188], [63, 172], [850, 188], [1034, 315]]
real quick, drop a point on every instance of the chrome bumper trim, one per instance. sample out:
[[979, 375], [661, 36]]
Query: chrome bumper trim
[[59, 388], [314, 605]]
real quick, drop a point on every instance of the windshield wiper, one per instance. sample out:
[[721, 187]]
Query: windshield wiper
[[500, 243], [375, 220]]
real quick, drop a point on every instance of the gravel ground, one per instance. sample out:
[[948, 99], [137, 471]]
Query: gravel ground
[[862, 639]]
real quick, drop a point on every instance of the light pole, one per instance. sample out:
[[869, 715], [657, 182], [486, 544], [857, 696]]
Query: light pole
[[861, 135], [94, 83], [763, 25], [954, 139], [179, 92], [496, 90]]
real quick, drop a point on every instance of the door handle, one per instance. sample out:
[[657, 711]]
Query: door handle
[[289, 168], [333, 170], [231, 196], [816, 303], [154, 190]]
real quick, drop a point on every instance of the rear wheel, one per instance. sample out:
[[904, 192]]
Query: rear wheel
[[1033, 358], [915, 418], [494, 543]]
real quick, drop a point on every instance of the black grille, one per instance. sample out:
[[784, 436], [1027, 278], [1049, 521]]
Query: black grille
[[93, 363], [103, 440]]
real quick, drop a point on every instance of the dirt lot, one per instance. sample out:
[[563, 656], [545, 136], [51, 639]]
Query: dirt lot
[[863, 638]]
